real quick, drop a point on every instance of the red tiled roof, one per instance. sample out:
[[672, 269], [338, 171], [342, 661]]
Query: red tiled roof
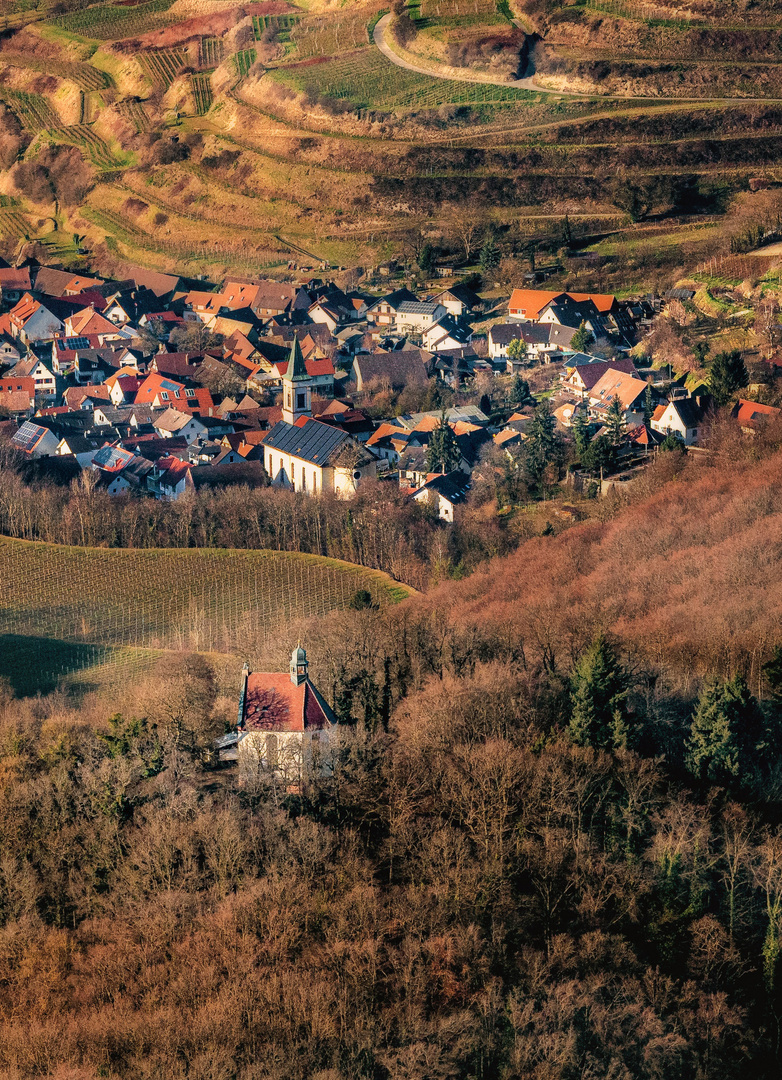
[[274, 703], [750, 410], [314, 367]]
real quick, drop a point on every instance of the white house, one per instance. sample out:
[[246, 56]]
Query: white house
[[682, 418], [444, 491], [35, 369], [172, 422], [446, 334], [418, 317], [285, 725]]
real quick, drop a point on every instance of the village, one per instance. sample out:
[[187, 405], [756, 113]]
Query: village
[[146, 385]]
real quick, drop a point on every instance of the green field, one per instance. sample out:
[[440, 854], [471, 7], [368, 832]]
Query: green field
[[65, 611]]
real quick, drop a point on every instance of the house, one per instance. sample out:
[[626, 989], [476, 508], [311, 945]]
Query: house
[[159, 391], [123, 386], [531, 303], [84, 397], [582, 373], [416, 317], [396, 369], [284, 726], [18, 404], [384, 311], [169, 478], [162, 285], [9, 352], [618, 384], [387, 440], [172, 422], [354, 422], [80, 447], [534, 336], [459, 301], [446, 334], [44, 381], [279, 298], [89, 321], [24, 385], [36, 440], [32, 321], [14, 283], [682, 418], [444, 491], [753, 417]]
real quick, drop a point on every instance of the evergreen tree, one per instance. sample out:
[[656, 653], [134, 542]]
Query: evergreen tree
[[580, 428], [773, 672], [519, 390], [615, 424], [648, 404], [599, 454], [443, 453], [567, 232], [728, 374], [727, 733], [672, 443], [427, 258], [582, 339], [599, 699], [543, 445], [490, 256]]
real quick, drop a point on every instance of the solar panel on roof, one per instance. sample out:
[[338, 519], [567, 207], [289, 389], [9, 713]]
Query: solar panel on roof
[[76, 343], [112, 458], [27, 435]]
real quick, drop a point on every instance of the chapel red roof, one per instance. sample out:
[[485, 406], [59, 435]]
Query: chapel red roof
[[274, 703]]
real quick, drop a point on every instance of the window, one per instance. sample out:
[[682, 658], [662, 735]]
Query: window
[[189, 393], [176, 393], [164, 395], [301, 401]]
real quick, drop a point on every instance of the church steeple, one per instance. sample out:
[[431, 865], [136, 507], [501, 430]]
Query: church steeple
[[299, 666], [296, 387]]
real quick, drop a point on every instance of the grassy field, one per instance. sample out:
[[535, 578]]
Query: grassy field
[[65, 610]]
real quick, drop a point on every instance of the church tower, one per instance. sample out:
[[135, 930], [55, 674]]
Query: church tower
[[299, 666], [296, 387]]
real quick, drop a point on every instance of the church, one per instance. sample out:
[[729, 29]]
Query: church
[[284, 724], [305, 455]]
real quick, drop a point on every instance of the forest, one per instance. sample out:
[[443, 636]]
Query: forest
[[549, 847]]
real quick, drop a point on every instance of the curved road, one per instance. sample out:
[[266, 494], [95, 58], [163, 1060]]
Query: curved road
[[379, 36], [453, 75]]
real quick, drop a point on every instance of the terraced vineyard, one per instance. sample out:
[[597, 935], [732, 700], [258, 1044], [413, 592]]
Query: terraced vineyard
[[13, 224], [328, 36], [282, 24], [112, 22], [369, 80], [96, 148], [135, 112], [91, 606], [85, 76], [243, 61], [163, 65], [33, 110], [202, 92], [210, 52]]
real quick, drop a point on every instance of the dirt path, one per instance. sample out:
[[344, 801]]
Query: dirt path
[[440, 71]]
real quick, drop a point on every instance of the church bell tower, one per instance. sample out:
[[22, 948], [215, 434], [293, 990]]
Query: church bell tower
[[296, 387]]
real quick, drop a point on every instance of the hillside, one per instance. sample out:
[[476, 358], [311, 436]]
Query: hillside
[[215, 139], [688, 578], [98, 614]]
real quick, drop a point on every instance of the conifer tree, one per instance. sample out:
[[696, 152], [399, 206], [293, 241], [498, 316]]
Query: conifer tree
[[728, 374], [727, 733], [648, 404], [542, 445], [582, 339], [443, 453], [598, 696], [615, 424]]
